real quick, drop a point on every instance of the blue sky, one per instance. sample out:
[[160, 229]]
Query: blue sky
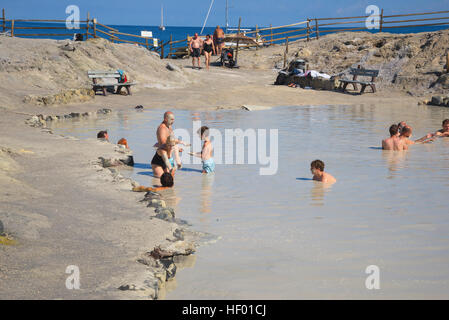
[[193, 12]]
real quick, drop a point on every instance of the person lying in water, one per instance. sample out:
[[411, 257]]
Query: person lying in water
[[317, 168], [167, 181], [206, 151], [160, 162]]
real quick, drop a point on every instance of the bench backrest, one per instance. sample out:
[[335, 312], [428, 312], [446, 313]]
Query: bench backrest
[[364, 72], [103, 74]]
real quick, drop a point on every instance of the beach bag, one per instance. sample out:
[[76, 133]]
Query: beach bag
[[123, 77]]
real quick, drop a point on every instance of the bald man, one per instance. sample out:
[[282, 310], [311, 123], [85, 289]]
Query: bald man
[[163, 131]]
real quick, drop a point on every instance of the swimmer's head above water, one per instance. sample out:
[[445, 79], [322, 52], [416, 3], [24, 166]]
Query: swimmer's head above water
[[394, 130], [317, 165], [446, 125], [406, 132], [167, 180]]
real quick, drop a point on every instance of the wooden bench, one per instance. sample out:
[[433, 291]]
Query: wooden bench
[[111, 75], [356, 72]]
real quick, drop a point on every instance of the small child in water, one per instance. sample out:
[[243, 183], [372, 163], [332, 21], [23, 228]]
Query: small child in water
[[206, 152], [317, 168]]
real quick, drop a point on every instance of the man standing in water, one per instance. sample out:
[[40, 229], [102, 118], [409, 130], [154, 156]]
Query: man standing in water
[[195, 46], [163, 132], [218, 39], [317, 168], [392, 143], [406, 133]]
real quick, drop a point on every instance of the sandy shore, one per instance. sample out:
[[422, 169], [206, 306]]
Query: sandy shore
[[64, 209]]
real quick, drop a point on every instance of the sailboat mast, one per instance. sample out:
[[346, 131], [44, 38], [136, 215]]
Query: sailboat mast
[[227, 24], [162, 15]]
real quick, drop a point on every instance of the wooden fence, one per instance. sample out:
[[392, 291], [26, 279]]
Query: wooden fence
[[301, 31], [313, 28], [89, 28]]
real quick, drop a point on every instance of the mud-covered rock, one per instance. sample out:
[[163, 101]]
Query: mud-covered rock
[[155, 203]]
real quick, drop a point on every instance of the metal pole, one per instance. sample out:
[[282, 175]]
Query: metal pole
[[227, 24], [237, 50]]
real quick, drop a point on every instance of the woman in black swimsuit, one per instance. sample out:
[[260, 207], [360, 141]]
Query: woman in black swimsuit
[[160, 162], [208, 47]]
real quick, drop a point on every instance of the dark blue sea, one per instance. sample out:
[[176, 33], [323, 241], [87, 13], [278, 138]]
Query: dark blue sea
[[177, 33]]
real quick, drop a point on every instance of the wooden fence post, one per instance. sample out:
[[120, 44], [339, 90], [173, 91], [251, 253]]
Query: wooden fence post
[[447, 63], [308, 29], [381, 20], [171, 46], [87, 26], [286, 45], [271, 31], [146, 43], [317, 30], [12, 28], [257, 37], [94, 21], [162, 50], [3, 17]]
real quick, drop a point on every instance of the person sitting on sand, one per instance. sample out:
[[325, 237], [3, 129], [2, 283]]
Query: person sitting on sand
[[406, 133], [167, 181], [206, 152], [195, 47], [123, 142], [160, 162], [103, 135], [445, 131], [392, 143], [317, 168]]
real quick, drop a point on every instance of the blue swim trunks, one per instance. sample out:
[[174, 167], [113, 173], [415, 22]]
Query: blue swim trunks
[[209, 165]]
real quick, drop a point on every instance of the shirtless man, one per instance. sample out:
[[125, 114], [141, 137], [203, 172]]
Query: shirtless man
[[392, 143], [401, 125], [406, 133], [445, 131], [317, 168], [195, 46], [219, 39], [164, 131]]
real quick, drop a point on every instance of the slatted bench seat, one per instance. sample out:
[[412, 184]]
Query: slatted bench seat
[[112, 76], [356, 72]]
